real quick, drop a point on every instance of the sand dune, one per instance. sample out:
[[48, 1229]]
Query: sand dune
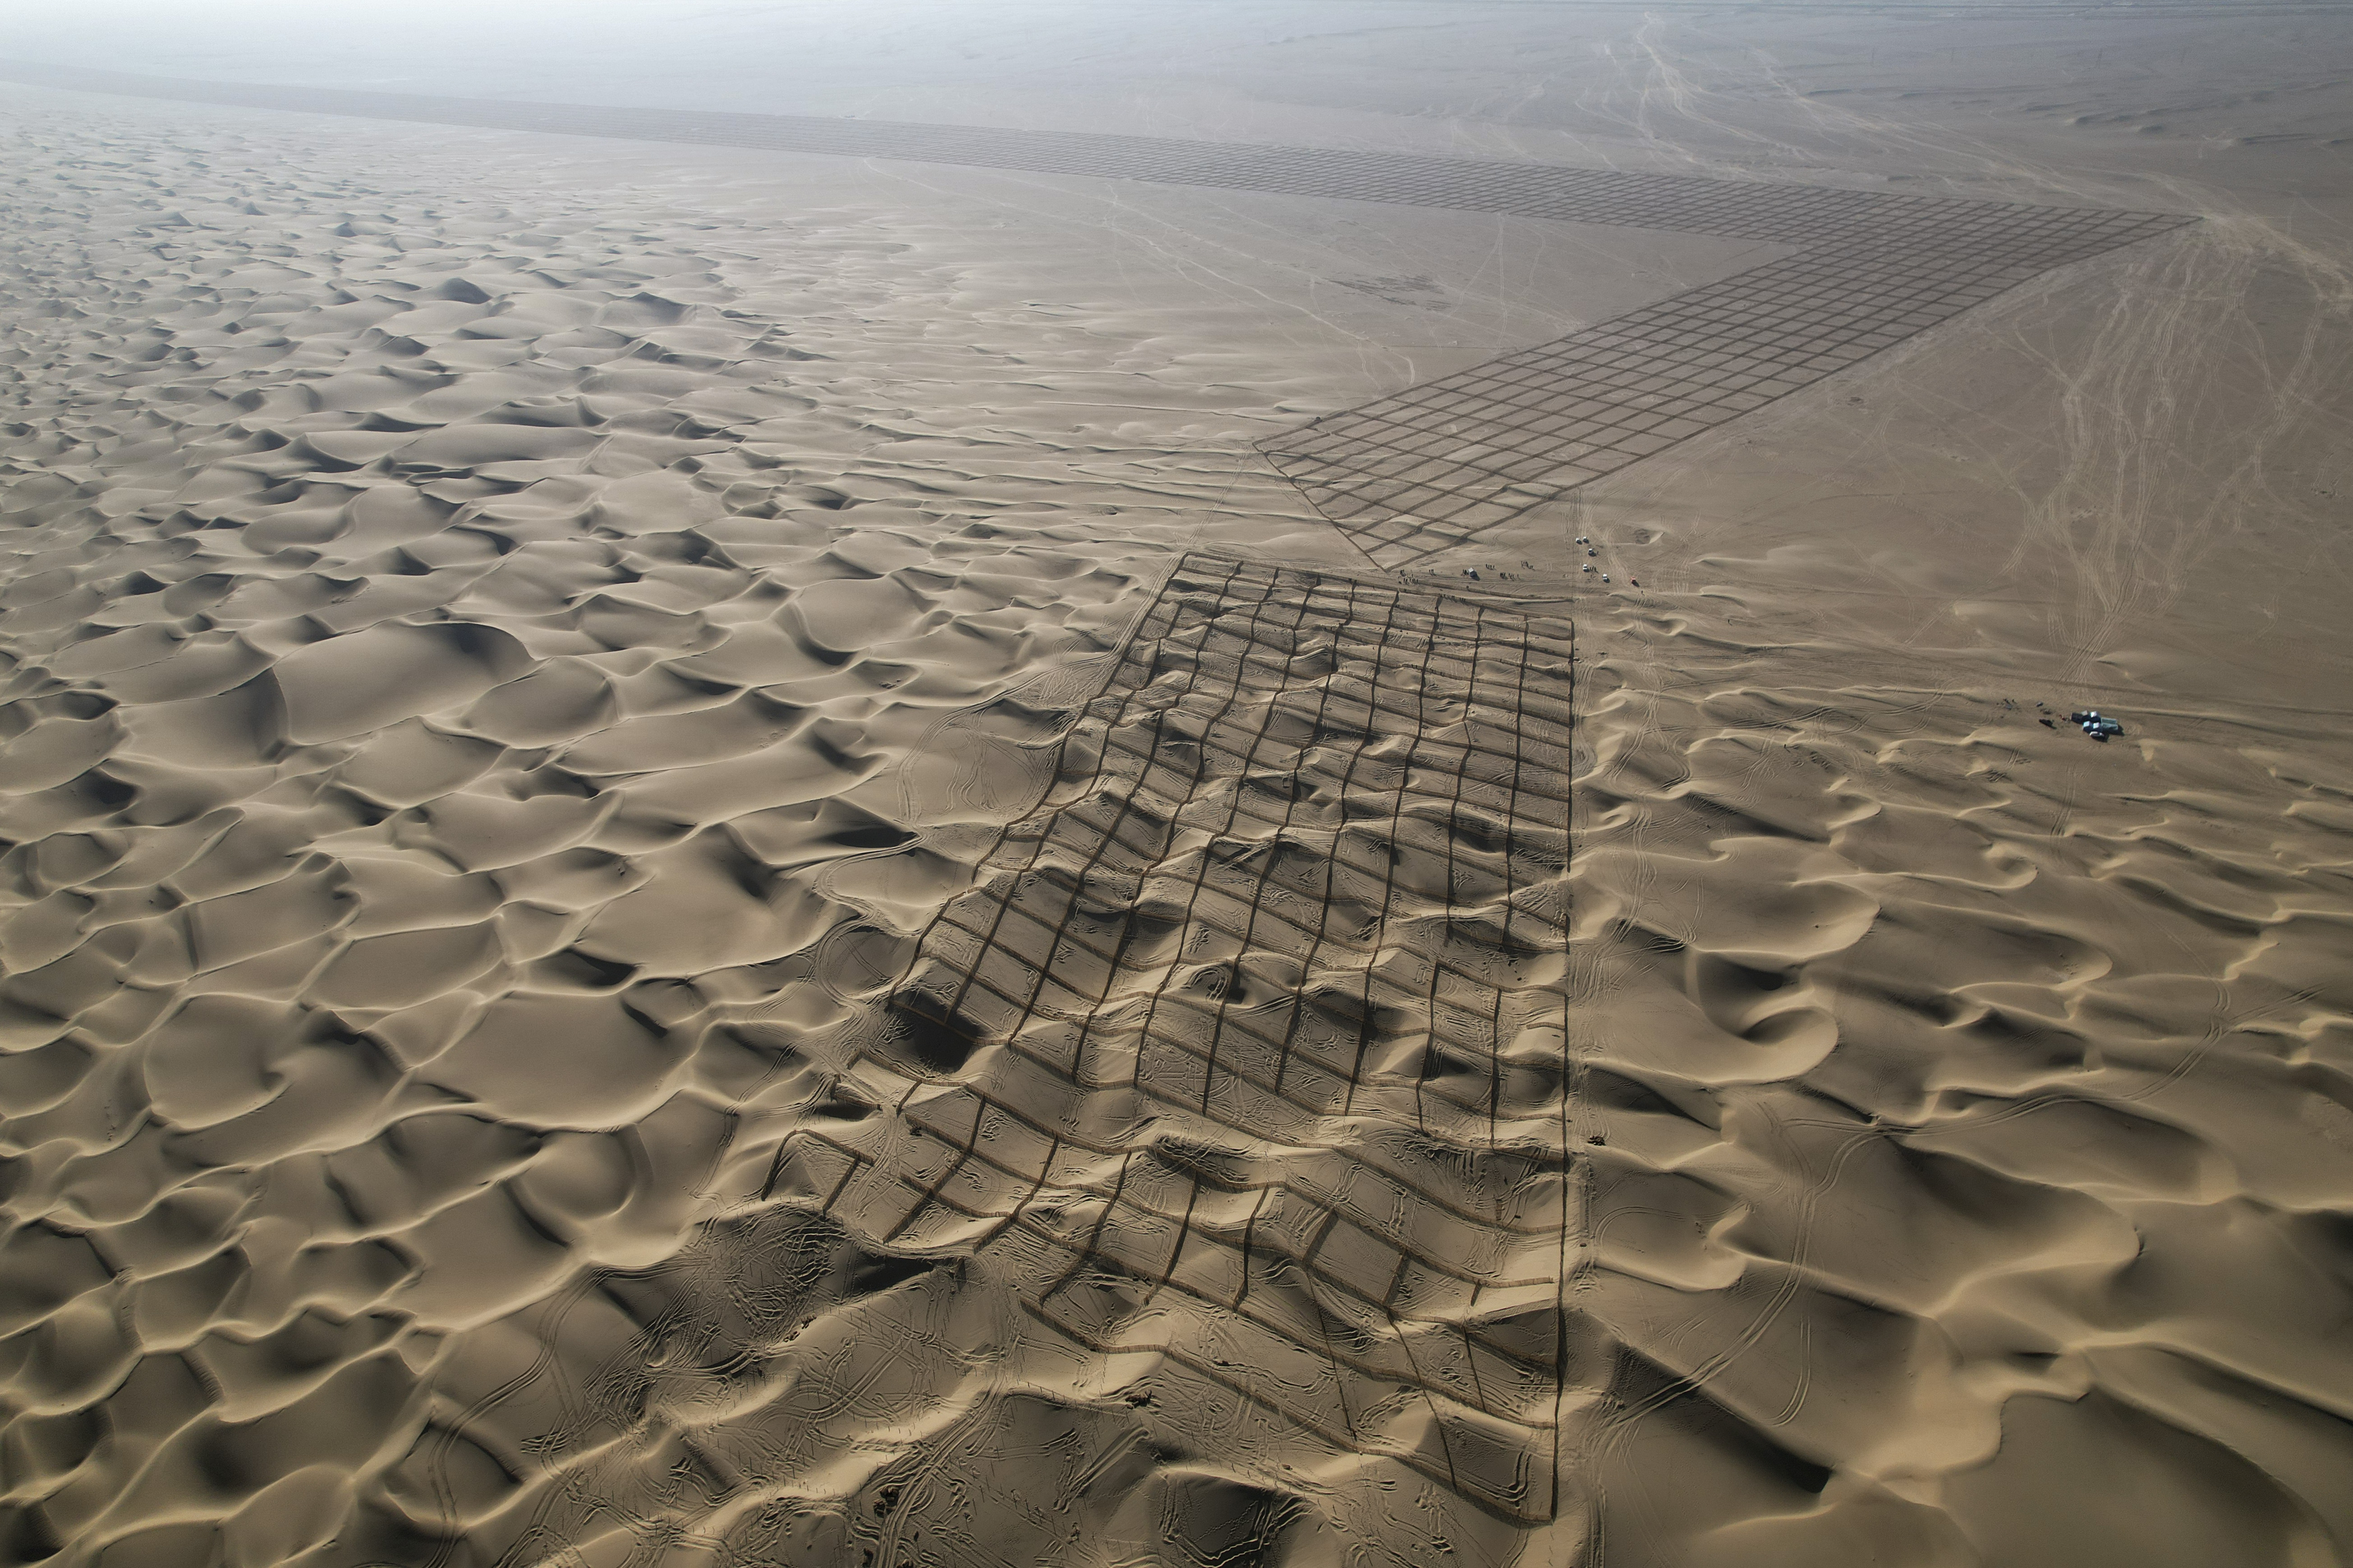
[[703, 866], [1920, 1028]]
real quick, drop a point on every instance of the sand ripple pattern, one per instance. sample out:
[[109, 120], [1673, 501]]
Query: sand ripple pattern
[[447, 695], [1968, 1110], [1251, 1043]]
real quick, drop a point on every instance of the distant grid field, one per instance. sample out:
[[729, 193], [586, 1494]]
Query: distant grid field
[[1423, 470], [1301, 881], [1427, 468]]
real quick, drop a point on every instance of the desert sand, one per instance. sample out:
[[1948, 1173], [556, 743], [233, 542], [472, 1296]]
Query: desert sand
[[721, 855]]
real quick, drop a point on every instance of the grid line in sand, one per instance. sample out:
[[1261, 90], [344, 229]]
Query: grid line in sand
[[1249, 1040], [1421, 471]]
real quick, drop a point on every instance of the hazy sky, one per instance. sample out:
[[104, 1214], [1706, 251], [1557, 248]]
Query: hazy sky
[[525, 47], [251, 35], [1172, 66]]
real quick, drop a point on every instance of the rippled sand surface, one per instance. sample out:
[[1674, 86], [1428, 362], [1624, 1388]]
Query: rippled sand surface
[[701, 867]]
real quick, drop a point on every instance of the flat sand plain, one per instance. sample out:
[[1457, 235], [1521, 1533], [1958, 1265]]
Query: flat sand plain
[[703, 868]]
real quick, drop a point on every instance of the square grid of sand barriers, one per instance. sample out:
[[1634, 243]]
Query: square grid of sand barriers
[[1251, 1040], [1414, 473]]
